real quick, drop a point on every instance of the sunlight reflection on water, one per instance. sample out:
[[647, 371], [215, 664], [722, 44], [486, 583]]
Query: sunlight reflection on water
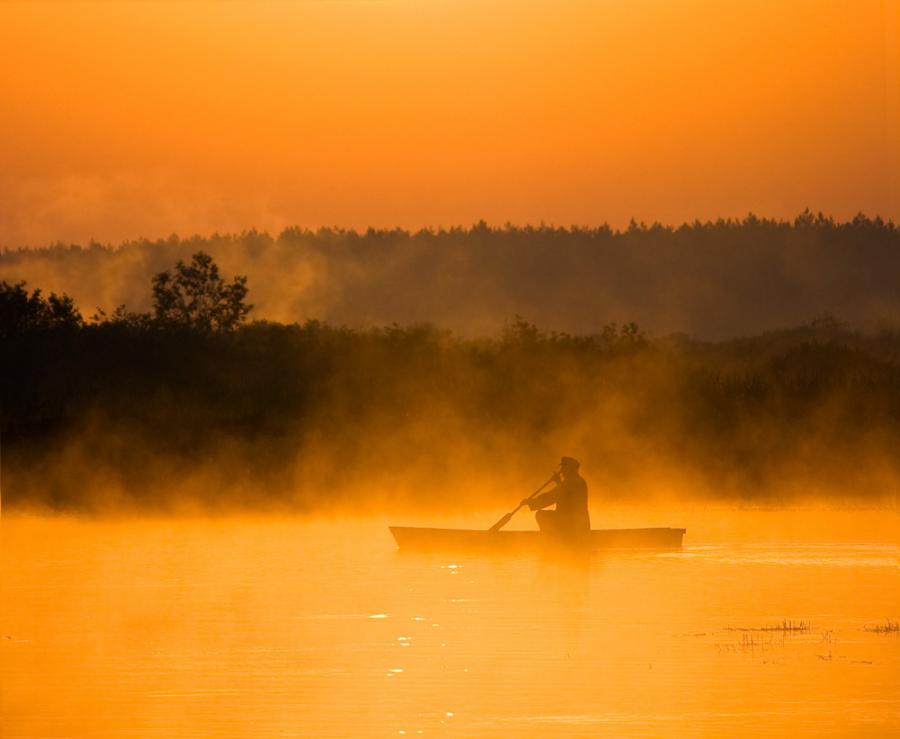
[[263, 628]]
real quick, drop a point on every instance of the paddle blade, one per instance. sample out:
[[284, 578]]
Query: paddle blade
[[502, 522]]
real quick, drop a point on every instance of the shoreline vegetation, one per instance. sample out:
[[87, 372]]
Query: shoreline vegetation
[[192, 403]]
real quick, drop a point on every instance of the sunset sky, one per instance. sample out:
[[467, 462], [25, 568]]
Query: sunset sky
[[121, 120]]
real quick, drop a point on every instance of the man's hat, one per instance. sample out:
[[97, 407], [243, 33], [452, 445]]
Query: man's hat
[[570, 462]]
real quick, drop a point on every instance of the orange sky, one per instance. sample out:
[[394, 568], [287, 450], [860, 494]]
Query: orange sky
[[124, 119]]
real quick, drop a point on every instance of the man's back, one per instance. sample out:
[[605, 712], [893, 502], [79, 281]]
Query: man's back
[[572, 499]]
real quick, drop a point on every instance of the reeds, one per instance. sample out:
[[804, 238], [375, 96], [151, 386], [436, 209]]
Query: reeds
[[755, 639], [785, 627], [888, 627]]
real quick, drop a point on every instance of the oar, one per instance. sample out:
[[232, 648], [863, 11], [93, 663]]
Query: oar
[[505, 520]]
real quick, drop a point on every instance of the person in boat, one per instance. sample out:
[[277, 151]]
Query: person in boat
[[571, 499]]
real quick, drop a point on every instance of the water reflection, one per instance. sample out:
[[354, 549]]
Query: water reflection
[[266, 628]]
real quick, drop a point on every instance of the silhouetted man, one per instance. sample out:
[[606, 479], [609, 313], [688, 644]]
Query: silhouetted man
[[571, 498]]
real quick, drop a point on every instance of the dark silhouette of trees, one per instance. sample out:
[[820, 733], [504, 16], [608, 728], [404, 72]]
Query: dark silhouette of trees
[[195, 296], [22, 312], [145, 403], [714, 279], [144, 398]]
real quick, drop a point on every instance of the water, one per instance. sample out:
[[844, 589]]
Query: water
[[273, 627]]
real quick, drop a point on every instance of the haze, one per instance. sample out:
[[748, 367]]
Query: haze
[[139, 119], [300, 300]]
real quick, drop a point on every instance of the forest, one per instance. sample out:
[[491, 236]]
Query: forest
[[195, 403], [711, 280]]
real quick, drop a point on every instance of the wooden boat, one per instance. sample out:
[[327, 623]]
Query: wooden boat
[[408, 537]]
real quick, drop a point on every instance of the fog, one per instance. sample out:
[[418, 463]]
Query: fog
[[709, 280], [322, 403], [314, 418]]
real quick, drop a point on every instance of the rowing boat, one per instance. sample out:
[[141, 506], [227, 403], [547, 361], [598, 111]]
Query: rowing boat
[[409, 537]]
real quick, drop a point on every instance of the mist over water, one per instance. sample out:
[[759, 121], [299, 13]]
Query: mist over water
[[205, 436], [766, 623], [124, 411], [230, 571]]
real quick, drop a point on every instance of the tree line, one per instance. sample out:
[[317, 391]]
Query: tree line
[[713, 280], [309, 414]]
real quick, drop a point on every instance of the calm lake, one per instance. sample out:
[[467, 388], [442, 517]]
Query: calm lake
[[766, 623]]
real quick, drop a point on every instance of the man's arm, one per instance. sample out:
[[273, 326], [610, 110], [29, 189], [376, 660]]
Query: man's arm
[[545, 499]]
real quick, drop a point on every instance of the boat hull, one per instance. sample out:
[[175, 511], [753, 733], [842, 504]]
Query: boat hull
[[413, 538]]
